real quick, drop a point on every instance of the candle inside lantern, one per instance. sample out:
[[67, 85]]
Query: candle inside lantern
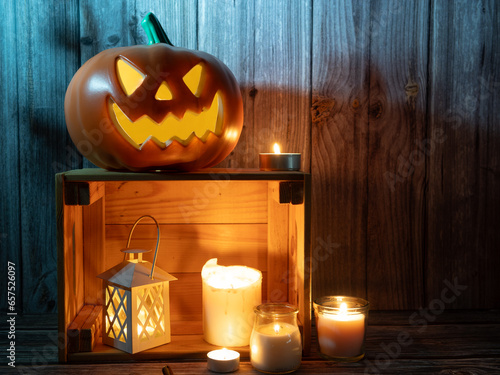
[[230, 295], [223, 360], [279, 161], [341, 323], [142, 320]]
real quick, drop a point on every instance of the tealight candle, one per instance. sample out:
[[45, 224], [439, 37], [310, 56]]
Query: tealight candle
[[223, 360], [341, 325], [230, 295], [279, 161]]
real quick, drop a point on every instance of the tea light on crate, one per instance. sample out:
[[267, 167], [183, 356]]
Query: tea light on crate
[[341, 325], [230, 295], [136, 314], [279, 161], [223, 360]]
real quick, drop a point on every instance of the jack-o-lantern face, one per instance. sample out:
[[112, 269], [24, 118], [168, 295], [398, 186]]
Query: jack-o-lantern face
[[170, 128], [154, 107]]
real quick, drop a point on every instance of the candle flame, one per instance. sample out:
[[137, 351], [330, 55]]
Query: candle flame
[[277, 328], [343, 308], [277, 148], [223, 354]]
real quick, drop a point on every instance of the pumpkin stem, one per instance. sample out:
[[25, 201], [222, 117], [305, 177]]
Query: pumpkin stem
[[154, 31]]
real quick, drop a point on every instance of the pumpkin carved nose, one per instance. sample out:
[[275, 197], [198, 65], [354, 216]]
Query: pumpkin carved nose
[[164, 92]]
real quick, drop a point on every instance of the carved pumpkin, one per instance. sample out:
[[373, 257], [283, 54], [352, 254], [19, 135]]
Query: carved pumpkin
[[154, 107]]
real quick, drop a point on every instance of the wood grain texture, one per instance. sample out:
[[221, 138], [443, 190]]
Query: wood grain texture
[[178, 18], [46, 36], [10, 225], [339, 149], [74, 328], [94, 247], [456, 342], [226, 29], [300, 269], [91, 330], [378, 77], [282, 80], [463, 214], [97, 33], [315, 367], [231, 243], [69, 264], [397, 105], [187, 202], [277, 247]]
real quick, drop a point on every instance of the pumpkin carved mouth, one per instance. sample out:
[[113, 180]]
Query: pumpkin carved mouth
[[170, 128]]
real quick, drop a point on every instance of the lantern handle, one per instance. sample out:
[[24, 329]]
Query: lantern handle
[[157, 240]]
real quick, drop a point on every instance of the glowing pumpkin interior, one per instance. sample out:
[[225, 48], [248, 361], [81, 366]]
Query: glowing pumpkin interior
[[192, 124]]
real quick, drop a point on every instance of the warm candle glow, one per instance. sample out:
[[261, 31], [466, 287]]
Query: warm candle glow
[[343, 308], [341, 328], [229, 297], [223, 360], [223, 354], [142, 318], [276, 348], [277, 148], [150, 330]]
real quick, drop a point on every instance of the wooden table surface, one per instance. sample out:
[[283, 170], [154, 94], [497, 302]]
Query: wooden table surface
[[403, 342]]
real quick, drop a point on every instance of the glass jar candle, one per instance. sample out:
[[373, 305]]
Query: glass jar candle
[[341, 325], [275, 343]]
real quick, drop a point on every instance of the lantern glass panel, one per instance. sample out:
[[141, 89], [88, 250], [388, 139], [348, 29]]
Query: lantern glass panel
[[116, 319], [151, 317]]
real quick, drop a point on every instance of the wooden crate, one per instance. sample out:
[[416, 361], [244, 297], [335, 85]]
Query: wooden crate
[[241, 217]]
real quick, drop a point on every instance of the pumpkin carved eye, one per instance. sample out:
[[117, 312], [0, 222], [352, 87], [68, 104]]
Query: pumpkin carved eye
[[194, 79], [129, 76]]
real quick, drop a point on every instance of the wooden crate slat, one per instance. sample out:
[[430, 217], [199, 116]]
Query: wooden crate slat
[[93, 257], [232, 244], [277, 252], [71, 293], [187, 202], [91, 329], [75, 327]]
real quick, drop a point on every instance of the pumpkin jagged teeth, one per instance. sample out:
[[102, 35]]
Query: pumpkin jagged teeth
[[170, 128]]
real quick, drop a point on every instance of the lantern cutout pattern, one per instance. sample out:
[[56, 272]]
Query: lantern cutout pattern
[[136, 313]]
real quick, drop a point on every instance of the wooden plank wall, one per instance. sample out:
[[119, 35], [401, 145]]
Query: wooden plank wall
[[393, 105]]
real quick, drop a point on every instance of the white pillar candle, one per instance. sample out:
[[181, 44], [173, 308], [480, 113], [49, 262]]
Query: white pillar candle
[[223, 360], [230, 295], [276, 348]]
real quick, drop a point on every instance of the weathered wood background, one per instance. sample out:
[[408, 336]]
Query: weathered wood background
[[394, 106]]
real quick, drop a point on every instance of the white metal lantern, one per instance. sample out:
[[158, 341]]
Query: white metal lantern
[[136, 313]]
